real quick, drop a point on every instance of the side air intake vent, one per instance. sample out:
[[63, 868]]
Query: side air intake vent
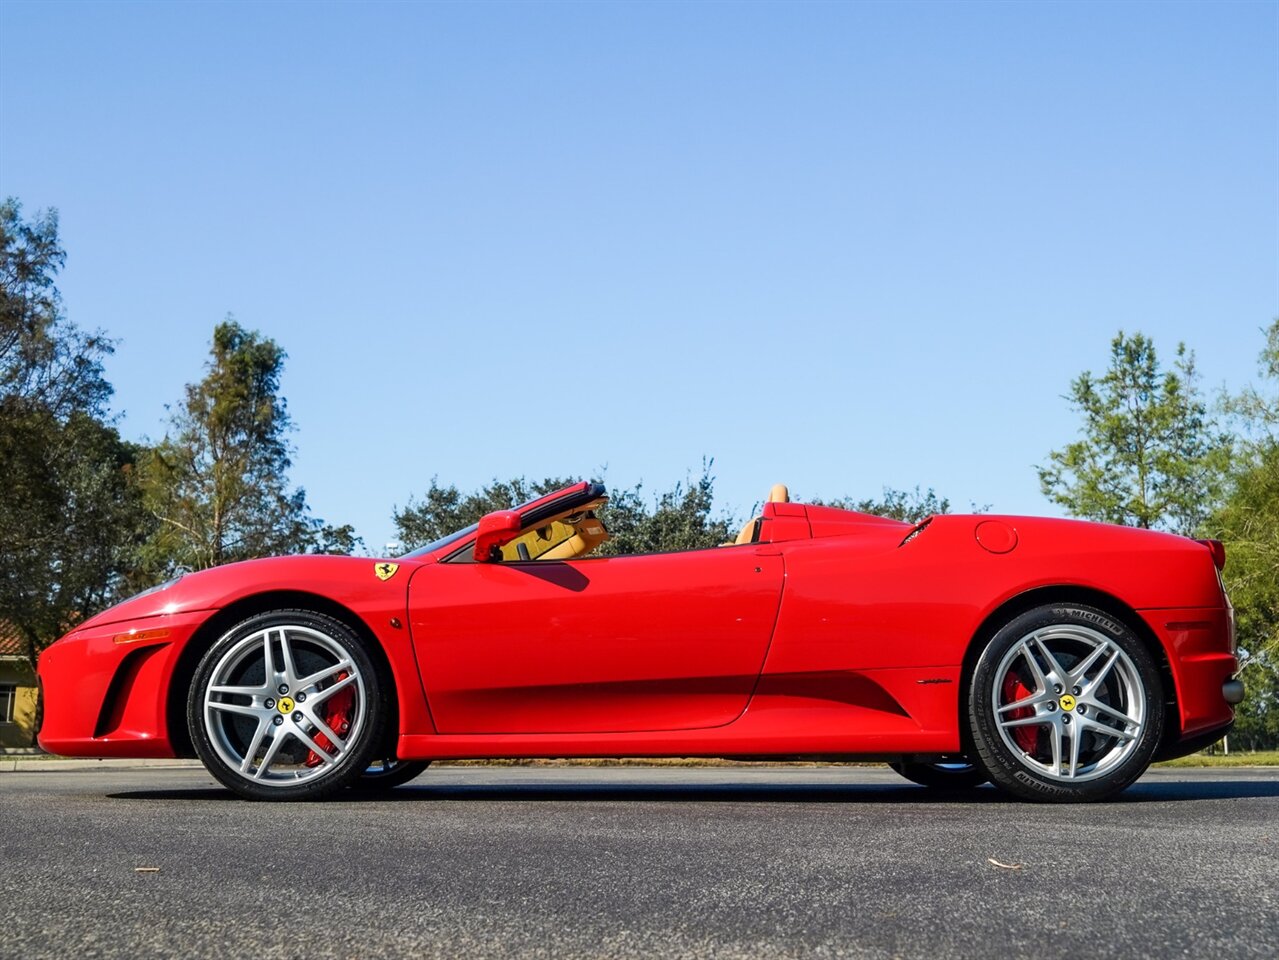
[[919, 528]]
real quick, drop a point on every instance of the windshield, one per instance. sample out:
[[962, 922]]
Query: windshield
[[442, 542], [548, 500]]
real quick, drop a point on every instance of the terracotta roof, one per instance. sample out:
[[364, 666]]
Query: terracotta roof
[[11, 643]]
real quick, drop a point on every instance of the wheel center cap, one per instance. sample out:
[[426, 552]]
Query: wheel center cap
[[285, 705], [1067, 703]]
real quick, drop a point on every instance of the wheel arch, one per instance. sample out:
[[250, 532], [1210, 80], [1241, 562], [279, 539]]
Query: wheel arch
[[241, 609], [1069, 593]]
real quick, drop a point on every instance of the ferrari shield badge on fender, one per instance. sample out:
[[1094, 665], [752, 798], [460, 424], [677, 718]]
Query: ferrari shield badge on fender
[[385, 571]]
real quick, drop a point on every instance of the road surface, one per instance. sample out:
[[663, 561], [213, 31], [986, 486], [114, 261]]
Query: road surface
[[637, 862]]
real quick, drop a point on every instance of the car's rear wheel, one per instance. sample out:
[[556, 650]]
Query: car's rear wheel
[[1065, 704], [957, 774], [287, 705]]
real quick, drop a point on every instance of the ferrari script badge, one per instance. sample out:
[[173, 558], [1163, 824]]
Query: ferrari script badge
[[385, 571]]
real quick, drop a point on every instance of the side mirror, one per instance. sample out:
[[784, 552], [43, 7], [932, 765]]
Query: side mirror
[[496, 529]]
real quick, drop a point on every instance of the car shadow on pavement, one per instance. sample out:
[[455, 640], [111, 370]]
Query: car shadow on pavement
[[807, 793], [598, 792], [1233, 789], [692, 793], [423, 791]]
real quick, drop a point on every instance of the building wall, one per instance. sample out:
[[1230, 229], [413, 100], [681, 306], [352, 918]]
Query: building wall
[[20, 733]]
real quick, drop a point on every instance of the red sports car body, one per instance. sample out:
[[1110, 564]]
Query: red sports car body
[[1055, 657]]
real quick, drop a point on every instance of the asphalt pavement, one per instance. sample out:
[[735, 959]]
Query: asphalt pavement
[[636, 862]]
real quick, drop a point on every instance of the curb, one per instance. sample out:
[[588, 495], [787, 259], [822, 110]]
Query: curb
[[37, 766], [61, 764]]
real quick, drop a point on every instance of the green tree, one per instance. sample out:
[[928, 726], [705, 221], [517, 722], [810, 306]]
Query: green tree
[[71, 520], [910, 506], [680, 518], [46, 361], [1150, 454], [1248, 523], [70, 511], [676, 519], [218, 483], [444, 510], [1256, 411]]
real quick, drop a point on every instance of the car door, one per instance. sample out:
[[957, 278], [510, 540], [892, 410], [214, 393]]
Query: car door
[[655, 642]]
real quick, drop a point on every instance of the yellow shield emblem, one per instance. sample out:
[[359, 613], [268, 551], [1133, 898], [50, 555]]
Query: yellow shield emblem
[[385, 571]]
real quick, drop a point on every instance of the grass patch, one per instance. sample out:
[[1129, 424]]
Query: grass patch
[[1258, 758]]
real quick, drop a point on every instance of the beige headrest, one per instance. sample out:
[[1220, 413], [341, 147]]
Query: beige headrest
[[779, 494]]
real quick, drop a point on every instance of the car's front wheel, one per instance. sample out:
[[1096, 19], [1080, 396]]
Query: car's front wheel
[[1065, 704], [287, 705]]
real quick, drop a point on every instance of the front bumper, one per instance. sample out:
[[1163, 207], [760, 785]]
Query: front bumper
[[106, 688]]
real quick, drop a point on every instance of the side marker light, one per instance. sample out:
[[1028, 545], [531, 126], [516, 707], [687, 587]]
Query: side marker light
[[140, 636]]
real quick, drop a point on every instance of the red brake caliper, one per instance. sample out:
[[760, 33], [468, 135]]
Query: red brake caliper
[[1027, 737], [337, 714]]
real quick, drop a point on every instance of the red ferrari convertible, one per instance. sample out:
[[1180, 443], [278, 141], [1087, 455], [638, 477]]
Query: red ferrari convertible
[[1054, 658]]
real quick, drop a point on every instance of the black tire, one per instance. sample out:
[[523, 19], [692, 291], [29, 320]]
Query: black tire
[[957, 775], [386, 774], [269, 738], [1065, 705]]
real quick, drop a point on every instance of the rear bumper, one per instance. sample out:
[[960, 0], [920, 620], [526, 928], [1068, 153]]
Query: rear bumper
[[105, 688], [1172, 749], [1199, 648]]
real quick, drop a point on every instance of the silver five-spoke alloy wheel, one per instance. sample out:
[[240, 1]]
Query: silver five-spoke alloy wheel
[[286, 705], [1080, 696], [259, 679], [1065, 703]]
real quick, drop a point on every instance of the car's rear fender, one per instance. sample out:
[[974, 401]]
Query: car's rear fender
[[1074, 593]]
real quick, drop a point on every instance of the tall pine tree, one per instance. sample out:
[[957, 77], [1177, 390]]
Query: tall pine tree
[[1150, 454], [218, 482]]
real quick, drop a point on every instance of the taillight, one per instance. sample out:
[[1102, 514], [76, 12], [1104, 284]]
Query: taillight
[[1218, 550]]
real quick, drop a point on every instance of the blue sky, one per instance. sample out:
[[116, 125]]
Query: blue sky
[[841, 246]]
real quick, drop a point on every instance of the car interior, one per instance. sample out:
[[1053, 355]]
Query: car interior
[[576, 533], [569, 536]]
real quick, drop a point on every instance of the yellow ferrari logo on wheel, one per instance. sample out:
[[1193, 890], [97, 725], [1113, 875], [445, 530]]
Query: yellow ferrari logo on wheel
[[285, 705], [385, 571], [1068, 703]]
